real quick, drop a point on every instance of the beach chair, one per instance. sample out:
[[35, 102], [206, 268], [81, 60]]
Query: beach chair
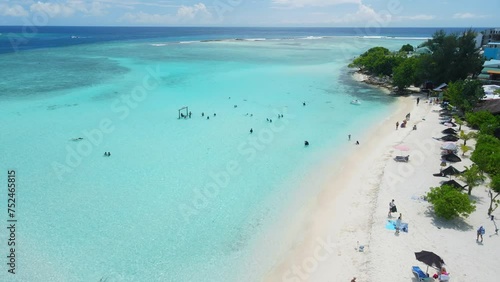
[[404, 159], [420, 275]]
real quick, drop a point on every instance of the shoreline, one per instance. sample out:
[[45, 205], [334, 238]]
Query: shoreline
[[383, 84], [351, 211], [331, 218]]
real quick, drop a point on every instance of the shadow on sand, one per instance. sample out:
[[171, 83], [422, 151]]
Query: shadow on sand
[[457, 223]]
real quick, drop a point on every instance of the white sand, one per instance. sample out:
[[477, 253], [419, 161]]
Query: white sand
[[353, 207]]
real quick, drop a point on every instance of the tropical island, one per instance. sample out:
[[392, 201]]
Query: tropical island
[[442, 73]]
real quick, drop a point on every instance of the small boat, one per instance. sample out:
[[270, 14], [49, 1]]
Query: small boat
[[355, 102]]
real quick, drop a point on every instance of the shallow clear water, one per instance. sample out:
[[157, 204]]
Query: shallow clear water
[[178, 200]]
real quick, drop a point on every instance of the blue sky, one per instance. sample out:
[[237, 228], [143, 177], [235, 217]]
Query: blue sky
[[329, 13]]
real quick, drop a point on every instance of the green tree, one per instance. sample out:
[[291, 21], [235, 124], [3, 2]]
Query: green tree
[[465, 94], [466, 136], [472, 176], [406, 48], [404, 73], [484, 121], [378, 61], [453, 57], [449, 203], [487, 154], [495, 187], [458, 121], [464, 149], [468, 60]]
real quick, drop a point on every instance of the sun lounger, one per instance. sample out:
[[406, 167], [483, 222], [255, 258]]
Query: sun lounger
[[420, 275], [404, 159]]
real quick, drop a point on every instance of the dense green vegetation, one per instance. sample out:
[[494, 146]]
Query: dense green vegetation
[[449, 203], [487, 154], [452, 57], [484, 121], [455, 60], [464, 94], [378, 61]]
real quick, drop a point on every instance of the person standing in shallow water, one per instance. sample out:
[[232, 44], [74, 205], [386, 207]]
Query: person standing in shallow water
[[251, 130], [349, 136]]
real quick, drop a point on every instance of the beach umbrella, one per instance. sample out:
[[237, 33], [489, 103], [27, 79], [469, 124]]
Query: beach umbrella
[[449, 131], [454, 184], [450, 146], [452, 158], [430, 259], [451, 171], [450, 137], [402, 147]]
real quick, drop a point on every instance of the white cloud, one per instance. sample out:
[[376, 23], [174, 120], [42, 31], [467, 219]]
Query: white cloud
[[317, 3], [364, 14], [52, 9], [191, 12], [467, 16], [13, 11], [70, 7], [198, 13]]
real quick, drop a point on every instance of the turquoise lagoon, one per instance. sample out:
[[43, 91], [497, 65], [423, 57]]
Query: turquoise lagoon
[[179, 199]]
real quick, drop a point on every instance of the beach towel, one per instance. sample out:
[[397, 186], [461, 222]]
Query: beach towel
[[391, 225]]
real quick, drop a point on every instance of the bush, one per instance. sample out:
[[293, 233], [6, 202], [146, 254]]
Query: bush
[[378, 61], [449, 203], [487, 154], [477, 119]]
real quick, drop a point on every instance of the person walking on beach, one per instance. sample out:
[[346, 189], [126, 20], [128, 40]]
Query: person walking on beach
[[392, 208], [480, 233], [398, 223], [397, 125], [418, 101]]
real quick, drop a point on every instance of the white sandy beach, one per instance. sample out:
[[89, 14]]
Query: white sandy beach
[[353, 206]]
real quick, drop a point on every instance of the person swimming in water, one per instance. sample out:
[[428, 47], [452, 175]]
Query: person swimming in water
[[306, 143], [251, 130]]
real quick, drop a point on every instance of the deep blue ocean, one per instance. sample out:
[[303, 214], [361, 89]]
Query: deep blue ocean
[[17, 38]]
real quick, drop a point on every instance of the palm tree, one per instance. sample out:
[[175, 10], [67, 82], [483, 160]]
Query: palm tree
[[472, 176], [466, 136], [464, 149], [458, 121]]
